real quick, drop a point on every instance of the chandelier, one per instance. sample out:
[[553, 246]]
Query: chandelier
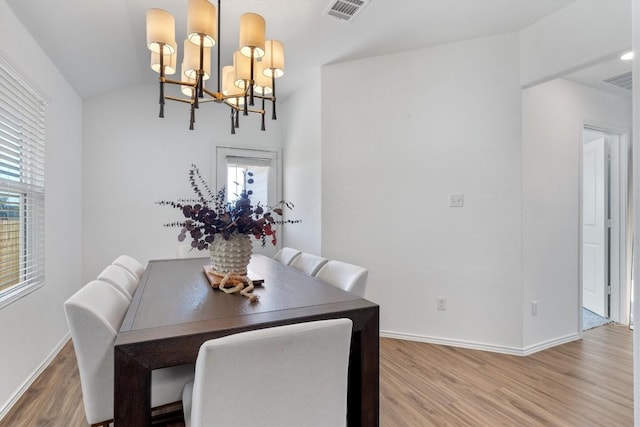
[[256, 63]]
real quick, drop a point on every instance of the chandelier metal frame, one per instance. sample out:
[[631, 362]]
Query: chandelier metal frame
[[239, 100]]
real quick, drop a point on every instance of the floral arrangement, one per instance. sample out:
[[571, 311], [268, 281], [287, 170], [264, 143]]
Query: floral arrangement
[[209, 215]]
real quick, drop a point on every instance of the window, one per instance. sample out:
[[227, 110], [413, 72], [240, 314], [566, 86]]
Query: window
[[22, 138], [232, 165]]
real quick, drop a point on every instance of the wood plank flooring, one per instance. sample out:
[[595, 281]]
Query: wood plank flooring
[[54, 399], [583, 383]]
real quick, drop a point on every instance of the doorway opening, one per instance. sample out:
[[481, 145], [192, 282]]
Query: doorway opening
[[605, 253]]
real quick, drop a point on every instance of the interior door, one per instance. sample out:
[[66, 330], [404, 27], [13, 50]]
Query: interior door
[[595, 227]]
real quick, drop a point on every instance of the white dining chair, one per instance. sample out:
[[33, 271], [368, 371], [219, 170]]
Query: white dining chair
[[95, 314], [286, 255], [120, 279], [294, 375], [308, 263], [351, 278], [130, 264]]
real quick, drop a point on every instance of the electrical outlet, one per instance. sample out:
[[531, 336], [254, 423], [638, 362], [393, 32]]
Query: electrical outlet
[[442, 303], [534, 308], [456, 200]]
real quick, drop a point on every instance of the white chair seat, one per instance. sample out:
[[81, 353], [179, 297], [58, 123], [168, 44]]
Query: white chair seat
[[308, 263], [349, 277], [294, 375]]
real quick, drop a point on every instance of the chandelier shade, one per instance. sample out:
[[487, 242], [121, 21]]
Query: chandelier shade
[[242, 68], [192, 60], [202, 20], [263, 84], [187, 89], [229, 88], [273, 60], [256, 64], [169, 61], [252, 35], [161, 31]]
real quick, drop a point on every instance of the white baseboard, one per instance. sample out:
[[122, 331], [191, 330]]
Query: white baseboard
[[34, 375], [481, 346], [551, 343]]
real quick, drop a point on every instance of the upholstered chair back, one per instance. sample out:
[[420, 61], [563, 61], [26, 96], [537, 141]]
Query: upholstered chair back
[[130, 264], [308, 263], [121, 279], [294, 375], [95, 314], [351, 278], [286, 255]]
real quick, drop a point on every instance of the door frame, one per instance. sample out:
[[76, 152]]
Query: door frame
[[620, 213]]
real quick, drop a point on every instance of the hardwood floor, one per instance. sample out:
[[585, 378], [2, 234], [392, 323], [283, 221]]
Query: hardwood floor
[[583, 383], [54, 399]]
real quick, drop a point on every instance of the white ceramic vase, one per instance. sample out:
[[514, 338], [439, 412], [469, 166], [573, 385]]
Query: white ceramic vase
[[231, 256]]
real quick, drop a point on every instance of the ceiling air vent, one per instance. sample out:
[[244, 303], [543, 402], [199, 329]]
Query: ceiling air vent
[[345, 9], [623, 80]]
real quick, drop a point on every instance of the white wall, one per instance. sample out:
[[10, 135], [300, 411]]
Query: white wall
[[393, 148], [552, 117], [35, 326], [391, 151], [133, 159], [581, 34], [302, 167]]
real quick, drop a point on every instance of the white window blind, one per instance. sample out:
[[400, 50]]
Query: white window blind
[[22, 139]]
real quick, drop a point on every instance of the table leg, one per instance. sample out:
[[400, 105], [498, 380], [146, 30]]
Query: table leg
[[132, 392], [364, 374]]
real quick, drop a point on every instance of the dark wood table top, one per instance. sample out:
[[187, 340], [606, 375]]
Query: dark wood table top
[[174, 295], [174, 310], [181, 293]]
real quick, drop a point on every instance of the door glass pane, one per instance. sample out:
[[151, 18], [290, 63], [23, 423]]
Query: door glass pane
[[238, 175]]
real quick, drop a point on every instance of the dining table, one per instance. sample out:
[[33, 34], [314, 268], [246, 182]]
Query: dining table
[[175, 310]]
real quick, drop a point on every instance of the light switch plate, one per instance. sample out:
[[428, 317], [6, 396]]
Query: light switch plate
[[456, 200]]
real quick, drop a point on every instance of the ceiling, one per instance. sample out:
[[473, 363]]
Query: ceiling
[[100, 46], [595, 75]]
